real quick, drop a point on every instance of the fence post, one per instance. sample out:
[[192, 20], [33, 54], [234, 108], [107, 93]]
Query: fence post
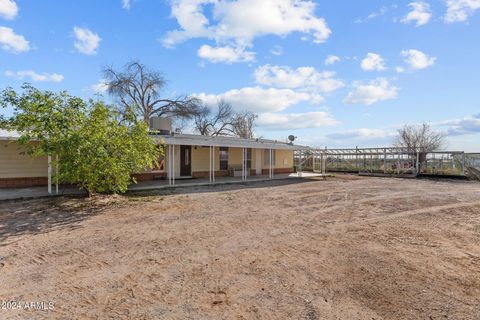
[[385, 160], [417, 164]]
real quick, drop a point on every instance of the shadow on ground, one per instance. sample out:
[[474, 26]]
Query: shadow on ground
[[30, 217], [44, 215], [220, 187]]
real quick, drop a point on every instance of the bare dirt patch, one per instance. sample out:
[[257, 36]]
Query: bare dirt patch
[[345, 248]]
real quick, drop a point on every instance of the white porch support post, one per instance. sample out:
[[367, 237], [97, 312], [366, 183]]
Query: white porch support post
[[270, 163], [273, 159], [213, 163], [169, 164], [49, 171], [246, 160], [56, 175], [246, 167], [210, 164], [243, 164], [173, 164]]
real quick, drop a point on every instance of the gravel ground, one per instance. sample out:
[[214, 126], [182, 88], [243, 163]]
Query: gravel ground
[[341, 248]]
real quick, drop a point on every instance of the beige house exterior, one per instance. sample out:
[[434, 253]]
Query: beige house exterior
[[18, 169], [186, 157]]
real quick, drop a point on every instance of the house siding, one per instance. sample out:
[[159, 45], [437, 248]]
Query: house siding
[[201, 158], [13, 164], [20, 170]]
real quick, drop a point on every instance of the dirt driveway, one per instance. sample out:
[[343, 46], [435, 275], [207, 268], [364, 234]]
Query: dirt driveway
[[345, 248]]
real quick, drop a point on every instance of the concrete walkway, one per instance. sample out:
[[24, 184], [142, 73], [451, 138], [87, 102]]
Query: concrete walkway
[[40, 192]]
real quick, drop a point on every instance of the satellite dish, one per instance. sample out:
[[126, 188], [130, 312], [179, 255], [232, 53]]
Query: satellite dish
[[291, 138]]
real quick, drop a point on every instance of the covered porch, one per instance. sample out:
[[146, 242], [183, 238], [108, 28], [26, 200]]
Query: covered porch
[[210, 160]]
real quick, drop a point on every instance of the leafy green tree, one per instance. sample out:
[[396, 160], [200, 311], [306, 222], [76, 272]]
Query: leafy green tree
[[96, 151]]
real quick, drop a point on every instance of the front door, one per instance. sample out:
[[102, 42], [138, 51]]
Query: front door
[[185, 161]]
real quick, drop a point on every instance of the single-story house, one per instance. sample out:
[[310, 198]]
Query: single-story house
[[186, 156]]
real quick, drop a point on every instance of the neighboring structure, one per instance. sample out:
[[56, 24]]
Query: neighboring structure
[[186, 156]]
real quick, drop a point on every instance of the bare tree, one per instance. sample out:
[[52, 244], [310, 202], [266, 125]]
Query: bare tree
[[138, 89], [243, 124], [219, 123], [419, 140]]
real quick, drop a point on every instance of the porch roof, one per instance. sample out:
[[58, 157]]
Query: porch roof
[[198, 140], [9, 135], [220, 141]]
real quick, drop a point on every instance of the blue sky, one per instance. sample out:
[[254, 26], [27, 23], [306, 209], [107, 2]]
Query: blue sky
[[335, 73]]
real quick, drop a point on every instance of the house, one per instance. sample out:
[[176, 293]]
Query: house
[[18, 169], [187, 156]]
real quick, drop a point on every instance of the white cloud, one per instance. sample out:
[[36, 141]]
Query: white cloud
[[331, 60], [460, 10], [361, 134], [373, 62], [467, 125], [225, 54], [293, 121], [373, 15], [375, 91], [8, 9], [417, 60], [34, 76], [236, 24], [420, 14], [261, 100], [86, 41], [126, 4], [305, 78], [12, 42], [277, 51], [100, 87]]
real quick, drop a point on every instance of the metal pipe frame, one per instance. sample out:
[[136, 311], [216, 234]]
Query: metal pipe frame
[[49, 172]]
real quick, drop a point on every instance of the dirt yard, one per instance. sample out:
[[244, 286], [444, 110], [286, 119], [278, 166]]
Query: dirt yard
[[345, 248]]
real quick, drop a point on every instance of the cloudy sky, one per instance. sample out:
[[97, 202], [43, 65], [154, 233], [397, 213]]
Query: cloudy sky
[[335, 73]]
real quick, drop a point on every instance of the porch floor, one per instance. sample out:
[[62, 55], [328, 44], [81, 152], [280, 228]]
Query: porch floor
[[38, 192]]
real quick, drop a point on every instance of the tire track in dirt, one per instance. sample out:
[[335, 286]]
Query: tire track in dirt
[[407, 213]]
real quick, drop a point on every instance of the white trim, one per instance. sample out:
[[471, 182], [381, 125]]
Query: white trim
[[217, 141], [49, 173]]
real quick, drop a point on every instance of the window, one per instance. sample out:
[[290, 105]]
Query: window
[[187, 157], [223, 158], [266, 158]]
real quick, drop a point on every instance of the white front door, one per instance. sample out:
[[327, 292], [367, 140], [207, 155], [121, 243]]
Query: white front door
[[258, 162]]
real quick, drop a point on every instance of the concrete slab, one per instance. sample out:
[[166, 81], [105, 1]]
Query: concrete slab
[[39, 192]]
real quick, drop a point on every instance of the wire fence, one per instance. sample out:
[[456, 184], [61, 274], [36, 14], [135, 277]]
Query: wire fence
[[388, 161]]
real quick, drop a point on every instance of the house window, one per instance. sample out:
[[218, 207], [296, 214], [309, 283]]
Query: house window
[[223, 158], [266, 158]]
